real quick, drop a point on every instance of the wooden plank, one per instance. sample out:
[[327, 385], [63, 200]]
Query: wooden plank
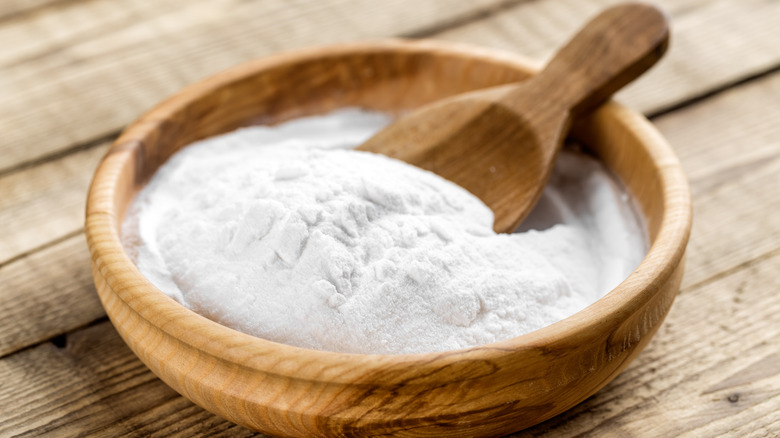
[[712, 323], [730, 149], [45, 202], [94, 385], [737, 244], [714, 43], [722, 170], [688, 382], [46, 294], [133, 54], [83, 71], [57, 192], [35, 230], [712, 369], [20, 9]]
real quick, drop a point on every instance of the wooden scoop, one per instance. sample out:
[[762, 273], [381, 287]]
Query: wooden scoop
[[500, 143]]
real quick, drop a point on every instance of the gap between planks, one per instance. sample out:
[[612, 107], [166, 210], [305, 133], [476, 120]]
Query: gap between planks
[[113, 78], [744, 115], [736, 270], [688, 381], [25, 239], [713, 252], [116, 58]]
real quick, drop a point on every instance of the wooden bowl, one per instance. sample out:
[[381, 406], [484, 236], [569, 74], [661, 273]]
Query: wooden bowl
[[283, 390]]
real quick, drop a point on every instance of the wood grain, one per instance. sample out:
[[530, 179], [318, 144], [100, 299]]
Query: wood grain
[[46, 294], [94, 373], [712, 370], [31, 198], [727, 148], [21, 9], [733, 171], [722, 171], [83, 71], [716, 43], [55, 99], [108, 391], [694, 365]]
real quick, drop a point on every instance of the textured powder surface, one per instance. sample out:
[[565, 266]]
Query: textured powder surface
[[284, 233]]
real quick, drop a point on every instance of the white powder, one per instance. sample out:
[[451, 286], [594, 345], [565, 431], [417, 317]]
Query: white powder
[[283, 233]]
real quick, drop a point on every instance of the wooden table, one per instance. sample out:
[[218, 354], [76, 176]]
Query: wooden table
[[74, 72]]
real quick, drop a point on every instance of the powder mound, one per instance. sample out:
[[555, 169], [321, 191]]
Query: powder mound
[[284, 234]]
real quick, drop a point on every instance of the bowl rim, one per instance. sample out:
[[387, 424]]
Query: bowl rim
[[125, 280]]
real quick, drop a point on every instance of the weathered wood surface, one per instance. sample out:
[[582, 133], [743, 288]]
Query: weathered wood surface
[[33, 196], [72, 73], [83, 70], [714, 43]]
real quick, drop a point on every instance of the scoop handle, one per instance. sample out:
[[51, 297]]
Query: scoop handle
[[610, 51]]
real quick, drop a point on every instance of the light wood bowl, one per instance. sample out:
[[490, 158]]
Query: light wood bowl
[[283, 390]]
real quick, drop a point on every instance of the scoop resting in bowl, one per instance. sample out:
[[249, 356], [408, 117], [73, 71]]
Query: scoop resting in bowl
[[284, 390]]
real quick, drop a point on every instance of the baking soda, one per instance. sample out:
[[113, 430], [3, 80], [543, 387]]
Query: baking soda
[[287, 234]]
